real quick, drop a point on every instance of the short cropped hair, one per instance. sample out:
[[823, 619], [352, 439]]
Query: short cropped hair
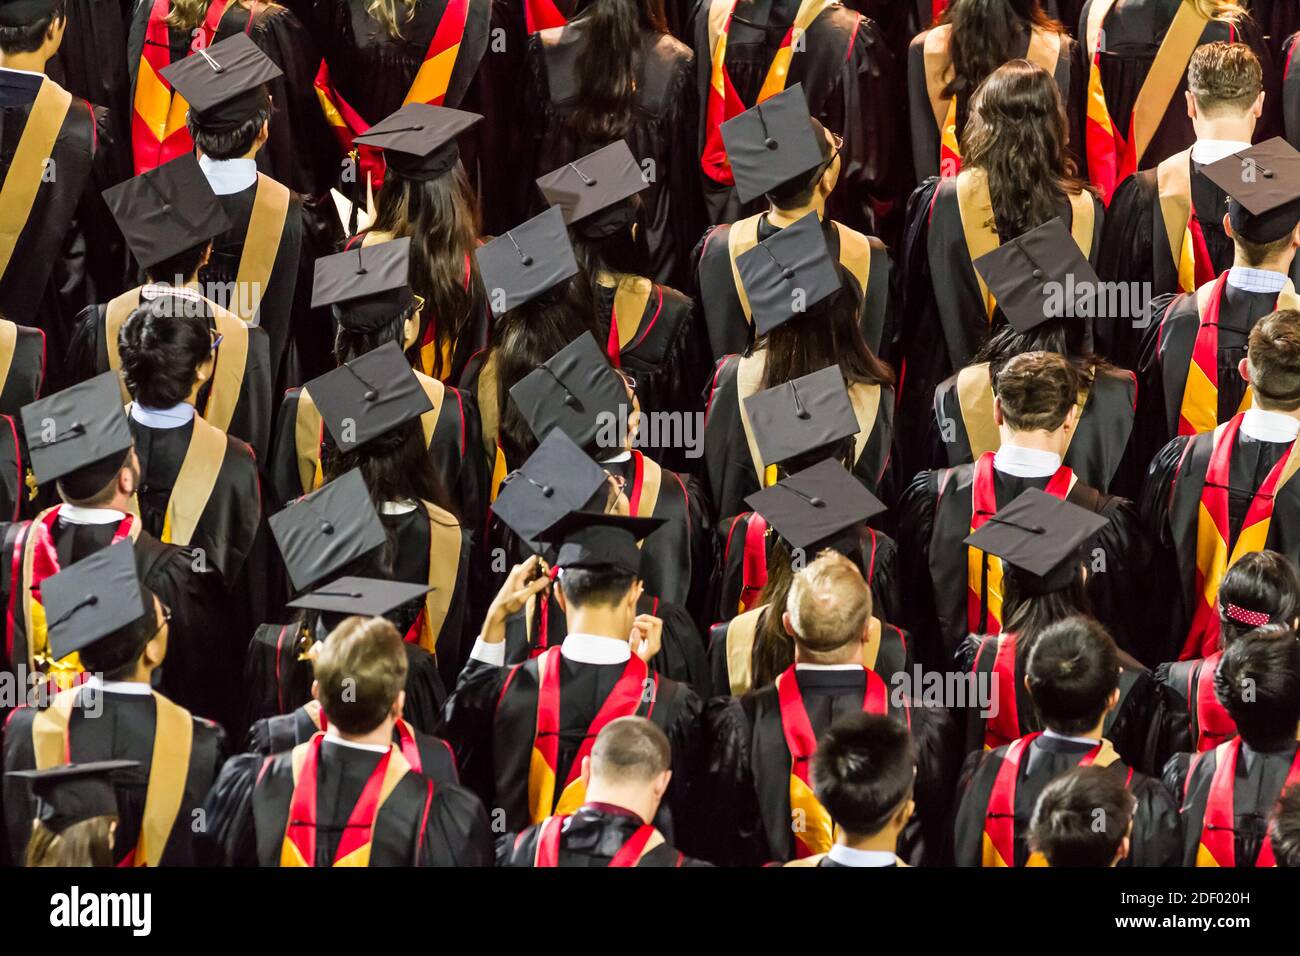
[[1224, 77], [1081, 818], [630, 750], [1072, 670], [595, 587], [1037, 390], [829, 603], [359, 671], [1258, 684], [28, 37], [1273, 360], [863, 770]]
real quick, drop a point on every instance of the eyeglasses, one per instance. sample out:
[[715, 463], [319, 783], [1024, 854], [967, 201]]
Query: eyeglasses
[[166, 620], [419, 302]]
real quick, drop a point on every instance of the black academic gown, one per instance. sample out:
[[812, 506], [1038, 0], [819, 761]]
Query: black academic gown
[[1207, 722], [1157, 830], [591, 837], [14, 496], [26, 370], [1290, 90], [114, 726]]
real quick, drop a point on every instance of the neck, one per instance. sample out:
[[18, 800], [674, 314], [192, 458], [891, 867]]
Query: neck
[[1040, 440], [788, 217], [605, 621], [381, 736], [850, 653], [1094, 734], [1237, 129], [1280, 263], [640, 800], [33, 62], [886, 841], [141, 675], [118, 502]]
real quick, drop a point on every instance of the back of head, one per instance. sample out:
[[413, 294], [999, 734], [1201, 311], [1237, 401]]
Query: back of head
[[1072, 671], [360, 670], [161, 347], [864, 771], [595, 587], [229, 141], [1273, 361], [1225, 79], [1258, 684], [798, 192], [984, 34], [1284, 829], [29, 35], [1082, 817], [115, 655], [1037, 390], [829, 603], [1263, 587], [84, 843], [630, 751], [606, 73]]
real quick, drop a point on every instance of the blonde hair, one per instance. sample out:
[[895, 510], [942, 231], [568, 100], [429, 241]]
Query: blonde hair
[[388, 15], [1219, 9], [829, 604], [359, 672], [85, 843]]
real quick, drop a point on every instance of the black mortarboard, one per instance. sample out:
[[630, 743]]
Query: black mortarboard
[[369, 597], [788, 273], [801, 415], [1263, 187], [771, 144], [1019, 271], [75, 429], [73, 792], [1042, 536], [557, 478], [93, 598], [166, 210], [593, 191], [593, 539], [367, 287], [369, 396], [419, 140], [530, 259], [816, 504], [225, 84], [327, 529], [578, 391]]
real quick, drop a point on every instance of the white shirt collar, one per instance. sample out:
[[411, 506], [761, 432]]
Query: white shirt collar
[[1212, 150], [331, 737], [173, 417], [595, 649], [11, 69], [623, 455], [117, 686], [74, 514], [1263, 425], [1075, 740], [828, 667], [1026, 462], [848, 856], [396, 507], [154, 290], [1256, 280], [227, 176]]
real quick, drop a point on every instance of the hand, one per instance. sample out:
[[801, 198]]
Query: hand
[[524, 580], [647, 636]]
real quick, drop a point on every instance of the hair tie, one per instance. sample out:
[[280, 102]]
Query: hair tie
[[1241, 615]]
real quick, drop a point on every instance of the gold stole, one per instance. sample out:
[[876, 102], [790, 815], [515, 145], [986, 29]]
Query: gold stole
[[194, 484], [489, 413], [975, 401], [444, 566], [631, 296], [27, 170], [1174, 187], [741, 631], [8, 345], [173, 739], [261, 243]]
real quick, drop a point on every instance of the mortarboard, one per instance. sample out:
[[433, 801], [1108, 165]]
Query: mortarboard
[[771, 144], [73, 792], [419, 140], [224, 84], [1019, 271], [326, 530], [166, 210], [1263, 187], [801, 415], [527, 261], [18, 13], [369, 396], [592, 192], [93, 598], [788, 273], [76, 428], [367, 287], [557, 478], [593, 539], [369, 597], [578, 391], [815, 505], [1041, 535]]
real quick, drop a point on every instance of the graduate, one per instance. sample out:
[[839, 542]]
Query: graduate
[[100, 612], [625, 775], [1213, 497], [1073, 681], [1063, 830], [754, 778], [349, 795], [170, 216], [22, 362], [1284, 829], [1228, 793], [76, 813], [521, 733], [781, 154]]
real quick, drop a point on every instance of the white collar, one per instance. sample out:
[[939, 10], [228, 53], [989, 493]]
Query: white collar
[[154, 290], [623, 455], [332, 737], [595, 649], [1263, 425], [173, 417], [828, 667], [11, 69], [1048, 732], [1212, 150], [396, 507], [227, 176], [74, 514], [117, 686], [1256, 280], [1026, 462], [848, 856]]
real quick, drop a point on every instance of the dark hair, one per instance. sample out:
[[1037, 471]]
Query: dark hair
[[591, 587], [863, 771], [360, 670], [350, 344], [1273, 359], [229, 143], [1073, 669], [395, 466], [161, 352], [1065, 337], [1026, 613], [28, 37], [606, 95], [1064, 825], [798, 191], [1264, 582], [183, 265], [1224, 77], [115, 655], [1037, 389], [1258, 684], [1284, 828], [984, 34], [625, 251]]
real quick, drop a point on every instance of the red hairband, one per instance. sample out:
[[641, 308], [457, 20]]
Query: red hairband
[[1243, 616]]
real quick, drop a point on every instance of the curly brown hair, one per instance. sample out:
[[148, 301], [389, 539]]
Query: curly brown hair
[[1224, 77], [1037, 390], [1273, 359]]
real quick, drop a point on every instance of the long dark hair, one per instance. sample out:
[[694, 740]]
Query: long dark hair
[[441, 217], [1027, 615], [606, 66], [983, 35], [1017, 136], [1265, 582], [349, 344]]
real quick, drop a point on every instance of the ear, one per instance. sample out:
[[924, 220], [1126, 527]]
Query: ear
[[999, 419], [1071, 418], [1258, 109], [1243, 369], [411, 329], [399, 705], [1122, 852], [660, 785], [558, 590], [1227, 226], [1191, 105], [1113, 700], [315, 690], [786, 623], [585, 773]]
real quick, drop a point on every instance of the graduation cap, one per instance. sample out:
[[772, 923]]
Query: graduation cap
[[772, 143], [366, 287], [75, 429], [575, 390], [528, 260], [593, 539], [788, 273], [1263, 187], [801, 415], [224, 84], [557, 478], [369, 597], [93, 598], [166, 210], [328, 529], [369, 396], [74, 792], [593, 192], [419, 140], [816, 505], [1018, 272], [1040, 535]]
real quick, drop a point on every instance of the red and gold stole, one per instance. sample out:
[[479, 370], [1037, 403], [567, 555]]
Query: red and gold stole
[[1219, 825], [1110, 156], [405, 735], [623, 701], [641, 842], [1186, 239], [429, 86], [813, 827], [1004, 725], [158, 132], [299, 846], [1212, 529], [984, 571], [1213, 725], [631, 296], [753, 564], [1000, 816], [724, 102], [1199, 411]]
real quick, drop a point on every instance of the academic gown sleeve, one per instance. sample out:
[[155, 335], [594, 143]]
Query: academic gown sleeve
[[1157, 838], [681, 655], [1126, 256], [1150, 724], [228, 837], [915, 527], [939, 754], [925, 132], [457, 833], [466, 723], [425, 691], [729, 822], [1117, 566], [83, 355], [1166, 615]]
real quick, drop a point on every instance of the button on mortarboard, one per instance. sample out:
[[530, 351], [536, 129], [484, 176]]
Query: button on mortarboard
[[76, 427], [326, 530], [419, 140], [557, 478], [810, 412], [166, 210], [369, 396], [91, 599], [1020, 274], [577, 391], [1263, 185], [815, 504], [594, 183], [1039, 534], [224, 84], [527, 261], [369, 597], [771, 144], [788, 273]]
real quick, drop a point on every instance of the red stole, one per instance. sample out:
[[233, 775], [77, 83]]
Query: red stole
[[1213, 725], [629, 854], [1004, 726]]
